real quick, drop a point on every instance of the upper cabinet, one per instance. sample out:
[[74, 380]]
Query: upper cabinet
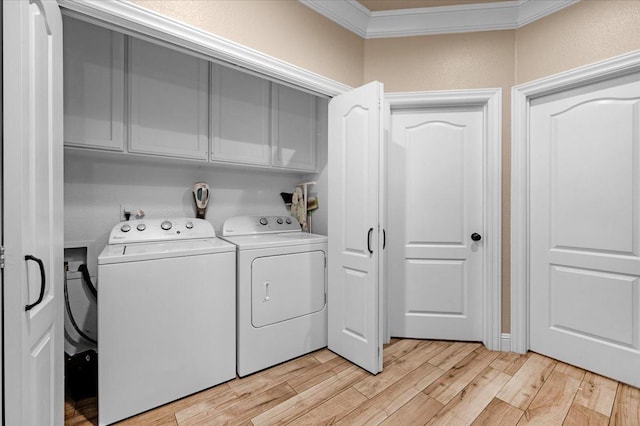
[[168, 102], [93, 86], [178, 105], [293, 128], [239, 117]]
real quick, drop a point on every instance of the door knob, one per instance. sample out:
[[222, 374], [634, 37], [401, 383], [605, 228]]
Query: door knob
[[476, 237]]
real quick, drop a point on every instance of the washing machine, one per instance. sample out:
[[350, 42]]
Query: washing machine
[[166, 314], [281, 290]]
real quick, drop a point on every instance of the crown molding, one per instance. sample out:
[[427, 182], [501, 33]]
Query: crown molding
[[141, 22], [435, 20], [348, 13]]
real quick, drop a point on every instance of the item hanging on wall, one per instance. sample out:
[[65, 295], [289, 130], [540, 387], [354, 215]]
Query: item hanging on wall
[[299, 207], [312, 205], [287, 197], [201, 198], [299, 204]]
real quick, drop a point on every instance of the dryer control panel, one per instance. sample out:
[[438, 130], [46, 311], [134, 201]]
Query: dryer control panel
[[248, 225], [147, 230]]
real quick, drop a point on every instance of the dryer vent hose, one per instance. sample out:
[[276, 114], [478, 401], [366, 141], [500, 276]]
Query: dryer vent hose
[[87, 279]]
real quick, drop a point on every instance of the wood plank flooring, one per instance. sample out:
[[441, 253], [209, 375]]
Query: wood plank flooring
[[424, 382]]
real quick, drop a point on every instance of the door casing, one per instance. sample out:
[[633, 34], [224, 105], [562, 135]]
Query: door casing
[[520, 240], [491, 102]]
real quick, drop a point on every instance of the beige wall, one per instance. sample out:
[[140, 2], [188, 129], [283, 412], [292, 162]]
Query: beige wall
[[589, 31], [285, 29]]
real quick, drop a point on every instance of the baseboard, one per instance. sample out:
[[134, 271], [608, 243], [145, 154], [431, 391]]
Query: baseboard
[[505, 342]]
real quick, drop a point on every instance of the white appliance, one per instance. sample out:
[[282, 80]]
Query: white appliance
[[281, 287], [166, 314]]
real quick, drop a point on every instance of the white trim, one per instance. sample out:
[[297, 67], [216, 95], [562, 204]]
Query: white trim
[[491, 99], [505, 342], [347, 13], [435, 20], [138, 20], [532, 10], [521, 99]]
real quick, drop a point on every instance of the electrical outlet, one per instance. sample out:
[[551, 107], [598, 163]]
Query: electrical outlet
[[123, 211], [132, 212]]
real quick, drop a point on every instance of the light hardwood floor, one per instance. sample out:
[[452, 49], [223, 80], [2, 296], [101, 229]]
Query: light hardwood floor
[[423, 382]]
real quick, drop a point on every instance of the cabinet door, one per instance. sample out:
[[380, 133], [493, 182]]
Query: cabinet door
[[168, 98], [293, 128], [240, 117], [93, 86]]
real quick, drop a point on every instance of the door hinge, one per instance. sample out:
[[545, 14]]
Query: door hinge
[[1, 257]]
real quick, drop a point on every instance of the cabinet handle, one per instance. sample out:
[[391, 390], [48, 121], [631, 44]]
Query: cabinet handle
[[27, 258], [384, 239], [369, 240]]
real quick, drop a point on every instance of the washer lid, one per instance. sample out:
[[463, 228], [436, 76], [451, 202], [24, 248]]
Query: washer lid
[[119, 253], [286, 239]]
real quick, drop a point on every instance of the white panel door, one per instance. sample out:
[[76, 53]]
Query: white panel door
[[435, 183], [585, 228], [354, 289], [33, 234]]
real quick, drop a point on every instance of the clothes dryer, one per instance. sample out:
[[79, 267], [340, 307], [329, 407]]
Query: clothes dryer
[[281, 290]]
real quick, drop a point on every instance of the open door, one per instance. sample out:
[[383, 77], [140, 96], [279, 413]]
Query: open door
[[355, 291], [32, 219]]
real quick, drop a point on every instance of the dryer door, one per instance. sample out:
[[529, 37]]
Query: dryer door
[[287, 286]]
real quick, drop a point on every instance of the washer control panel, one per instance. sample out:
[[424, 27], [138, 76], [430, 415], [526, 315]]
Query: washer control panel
[[144, 230], [248, 225]]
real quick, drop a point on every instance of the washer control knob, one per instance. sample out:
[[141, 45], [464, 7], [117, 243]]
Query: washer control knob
[[279, 221], [188, 225], [288, 221], [125, 228], [263, 221], [166, 225], [141, 227]]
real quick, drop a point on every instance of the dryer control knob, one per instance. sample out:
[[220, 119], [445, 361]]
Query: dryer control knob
[[125, 228], [279, 221], [141, 227], [166, 225], [288, 221], [188, 225], [263, 221]]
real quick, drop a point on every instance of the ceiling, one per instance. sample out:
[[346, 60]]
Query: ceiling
[[403, 18], [380, 5]]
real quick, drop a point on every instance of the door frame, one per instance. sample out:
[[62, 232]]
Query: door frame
[[521, 97], [491, 102]]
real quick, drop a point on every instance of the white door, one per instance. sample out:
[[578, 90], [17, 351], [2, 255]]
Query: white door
[[585, 228], [354, 288], [33, 234], [435, 207]]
